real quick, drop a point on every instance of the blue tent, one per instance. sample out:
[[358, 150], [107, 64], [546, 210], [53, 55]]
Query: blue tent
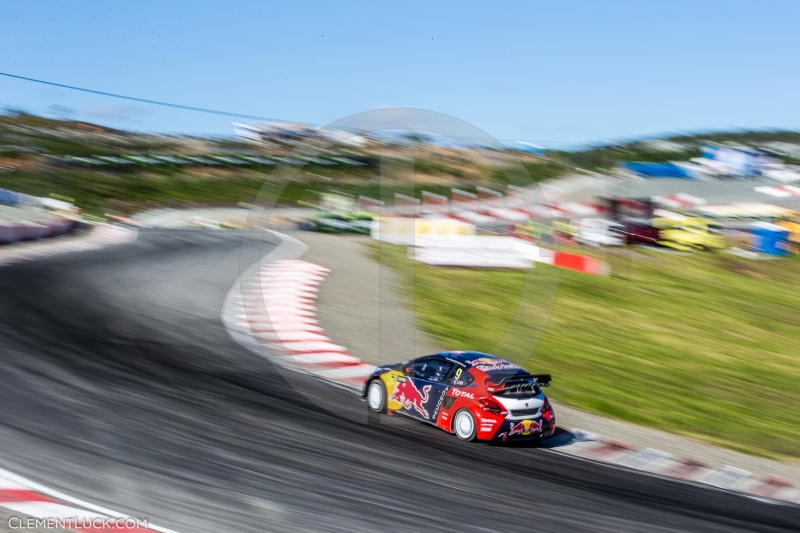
[[530, 148], [770, 239], [658, 170]]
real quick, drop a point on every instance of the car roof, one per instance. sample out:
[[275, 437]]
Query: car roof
[[464, 357], [484, 361]]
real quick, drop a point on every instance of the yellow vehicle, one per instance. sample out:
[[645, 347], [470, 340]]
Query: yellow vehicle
[[689, 233], [793, 225]]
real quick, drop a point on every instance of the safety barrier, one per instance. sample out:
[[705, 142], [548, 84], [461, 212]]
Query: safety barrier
[[475, 251], [581, 263], [11, 232]]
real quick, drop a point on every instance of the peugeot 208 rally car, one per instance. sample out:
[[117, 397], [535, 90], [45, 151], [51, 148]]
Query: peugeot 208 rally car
[[472, 394]]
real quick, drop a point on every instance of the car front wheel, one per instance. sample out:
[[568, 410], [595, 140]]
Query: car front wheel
[[376, 396], [464, 425]]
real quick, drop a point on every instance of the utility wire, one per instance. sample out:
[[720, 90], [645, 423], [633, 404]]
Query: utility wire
[[157, 102], [145, 100]]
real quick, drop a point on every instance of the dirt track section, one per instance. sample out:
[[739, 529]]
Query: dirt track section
[[122, 387]]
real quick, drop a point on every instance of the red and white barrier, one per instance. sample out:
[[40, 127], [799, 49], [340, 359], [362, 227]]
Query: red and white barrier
[[407, 206], [488, 198], [100, 236], [11, 232], [435, 204], [464, 200], [487, 251], [475, 251], [779, 191], [370, 205], [678, 201], [488, 207], [577, 262]]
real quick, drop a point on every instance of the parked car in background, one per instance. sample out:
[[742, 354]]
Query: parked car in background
[[343, 223], [793, 225], [639, 231], [689, 233], [598, 232]]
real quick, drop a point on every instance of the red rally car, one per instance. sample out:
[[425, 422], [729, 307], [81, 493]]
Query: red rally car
[[474, 395]]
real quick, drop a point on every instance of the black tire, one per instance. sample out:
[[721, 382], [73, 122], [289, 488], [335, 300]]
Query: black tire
[[462, 421], [376, 390]]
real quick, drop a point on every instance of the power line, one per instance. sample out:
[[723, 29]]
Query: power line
[[144, 100]]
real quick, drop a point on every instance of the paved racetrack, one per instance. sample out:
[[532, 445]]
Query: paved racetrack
[[122, 387]]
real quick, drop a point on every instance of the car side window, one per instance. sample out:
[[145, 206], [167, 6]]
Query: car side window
[[461, 378], [418, 368], [431, 370]]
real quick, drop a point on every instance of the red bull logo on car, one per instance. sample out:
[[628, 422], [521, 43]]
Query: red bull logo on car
[[525, 428], [409, 396]]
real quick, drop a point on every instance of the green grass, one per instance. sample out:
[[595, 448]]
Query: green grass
[[707, 346]]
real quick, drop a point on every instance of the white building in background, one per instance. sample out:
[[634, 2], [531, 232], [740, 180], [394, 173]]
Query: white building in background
[[783, 148], [661, 145], [292, 131]]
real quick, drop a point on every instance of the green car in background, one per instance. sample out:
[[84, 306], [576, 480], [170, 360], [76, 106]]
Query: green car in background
[[343, 223]]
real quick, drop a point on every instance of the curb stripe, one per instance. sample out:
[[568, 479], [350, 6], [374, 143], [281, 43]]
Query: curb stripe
[[276, 307], [21, 495], [27, 497]]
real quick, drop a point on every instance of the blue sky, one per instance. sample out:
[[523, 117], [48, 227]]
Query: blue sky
[[548, 71]]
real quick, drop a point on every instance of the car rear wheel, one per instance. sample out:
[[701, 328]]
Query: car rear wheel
[[464, 425], [376, 396]]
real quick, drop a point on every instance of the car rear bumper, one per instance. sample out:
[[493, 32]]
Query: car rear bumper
[[524, 430]]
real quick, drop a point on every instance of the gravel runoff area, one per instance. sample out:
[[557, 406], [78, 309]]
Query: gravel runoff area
[[359, 304], [358, 292]]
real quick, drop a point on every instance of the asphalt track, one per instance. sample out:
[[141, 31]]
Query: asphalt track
[[121, 386]]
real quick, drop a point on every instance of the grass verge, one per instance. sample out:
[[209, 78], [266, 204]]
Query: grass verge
[[702, 345]]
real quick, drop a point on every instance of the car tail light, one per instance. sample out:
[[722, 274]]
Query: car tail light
[[487, 404], [547, 410]]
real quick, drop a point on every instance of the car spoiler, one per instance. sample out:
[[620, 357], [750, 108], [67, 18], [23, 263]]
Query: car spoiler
[[542, 380]]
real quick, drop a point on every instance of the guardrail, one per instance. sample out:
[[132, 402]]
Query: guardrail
[[11, 232]]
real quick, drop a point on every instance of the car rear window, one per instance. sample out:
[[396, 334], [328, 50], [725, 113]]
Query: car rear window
[[514, 384]]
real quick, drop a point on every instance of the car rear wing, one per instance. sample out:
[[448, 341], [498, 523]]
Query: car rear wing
[[542, 380]]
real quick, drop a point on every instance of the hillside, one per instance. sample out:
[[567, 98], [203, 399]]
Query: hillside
[[678, 147]]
